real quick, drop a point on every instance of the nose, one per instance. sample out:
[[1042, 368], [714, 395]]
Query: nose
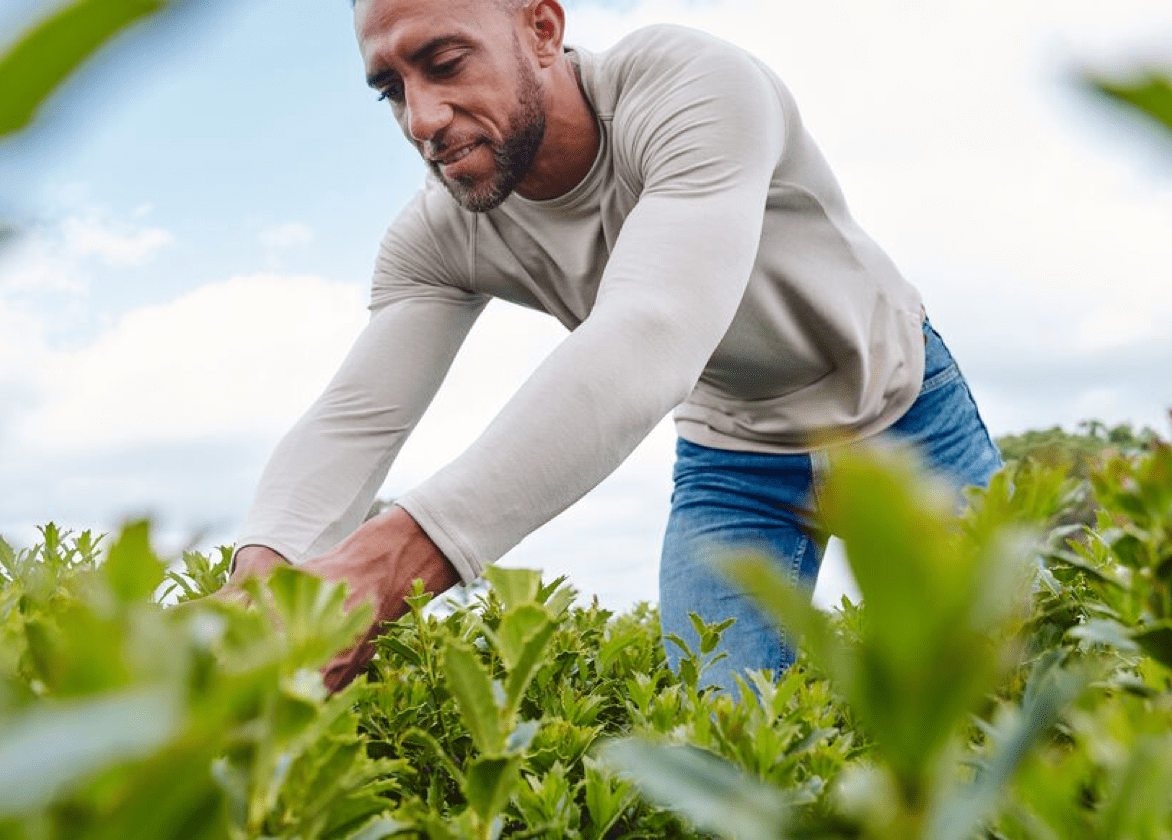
[[427, 113]]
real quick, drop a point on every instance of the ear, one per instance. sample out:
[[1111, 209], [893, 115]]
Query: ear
[[546, 26]]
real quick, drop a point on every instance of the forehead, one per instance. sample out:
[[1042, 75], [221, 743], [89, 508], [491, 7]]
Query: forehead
[[390, 27]]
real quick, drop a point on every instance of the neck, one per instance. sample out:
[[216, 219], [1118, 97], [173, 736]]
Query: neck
[[571, 139]]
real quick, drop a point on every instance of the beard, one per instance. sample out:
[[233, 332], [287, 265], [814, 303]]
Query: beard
[[513, 157]]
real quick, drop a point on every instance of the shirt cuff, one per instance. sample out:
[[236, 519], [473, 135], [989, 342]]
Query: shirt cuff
[[463, 559]]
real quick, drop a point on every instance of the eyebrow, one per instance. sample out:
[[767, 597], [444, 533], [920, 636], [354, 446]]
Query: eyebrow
[[417, 56]]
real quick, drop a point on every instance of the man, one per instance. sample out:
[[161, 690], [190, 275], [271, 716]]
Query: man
[[664, 202]]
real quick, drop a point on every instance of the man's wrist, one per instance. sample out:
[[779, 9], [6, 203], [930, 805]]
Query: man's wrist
[[418, 554], [462, 561]]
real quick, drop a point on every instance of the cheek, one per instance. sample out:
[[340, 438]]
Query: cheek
[[401, 121]]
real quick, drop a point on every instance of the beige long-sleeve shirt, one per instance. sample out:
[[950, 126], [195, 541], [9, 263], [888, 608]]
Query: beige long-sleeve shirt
[[707, 264]]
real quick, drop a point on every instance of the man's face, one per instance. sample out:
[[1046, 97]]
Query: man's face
[[461, 89]]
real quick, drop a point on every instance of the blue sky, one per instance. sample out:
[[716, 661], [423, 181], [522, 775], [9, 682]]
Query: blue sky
[[201, 208]]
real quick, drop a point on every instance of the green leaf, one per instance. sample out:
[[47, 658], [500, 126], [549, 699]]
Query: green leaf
[[611, 649], [1156, 640], [1149, 93], [403, 651], [471, 686], [527, 657], [607, 796], [1104, 631], [710, 792], [1102, 575], [377, 828], [516, 587], [489, 783], [54, 48], [518, 625], [433, 750], [50, 747], [132, 569], [309, 614], [1049, 690]]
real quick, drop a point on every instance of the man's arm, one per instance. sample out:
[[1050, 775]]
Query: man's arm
[[322, 477]]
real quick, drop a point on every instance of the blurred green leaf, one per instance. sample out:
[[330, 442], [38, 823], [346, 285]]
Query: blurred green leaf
[[1150, 93], [936, 597], [308, 614], [1104, 631], [37, 63], [132, 569], [1136, 804], [44, 750], [713, 794], [377, 829], [790, 607], [1156, 640], [1019, 730]]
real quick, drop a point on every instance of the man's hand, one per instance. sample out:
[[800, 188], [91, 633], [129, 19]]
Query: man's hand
[[251, 561], [254, 561], [380, 561]]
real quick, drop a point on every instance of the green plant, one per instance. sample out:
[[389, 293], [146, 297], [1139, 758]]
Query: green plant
[[1005, 676], [970, 683]]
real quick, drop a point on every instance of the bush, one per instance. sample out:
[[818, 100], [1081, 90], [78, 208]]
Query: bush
[[1005, 676]]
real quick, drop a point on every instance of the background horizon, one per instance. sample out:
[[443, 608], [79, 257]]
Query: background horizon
[[201, 210]]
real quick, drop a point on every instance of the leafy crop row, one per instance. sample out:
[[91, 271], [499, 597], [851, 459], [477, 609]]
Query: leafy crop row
[[1008, 675]]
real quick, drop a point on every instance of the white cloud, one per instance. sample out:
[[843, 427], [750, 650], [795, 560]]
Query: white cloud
[[60, 255], [233, 357], [170, 411], [39, 260], [114, 244], [283, 236]]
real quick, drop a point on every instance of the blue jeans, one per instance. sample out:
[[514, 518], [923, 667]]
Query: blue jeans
[[748, 501]]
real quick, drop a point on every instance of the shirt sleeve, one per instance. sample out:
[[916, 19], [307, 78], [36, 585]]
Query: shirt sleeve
[[323, 476], [705, 128]]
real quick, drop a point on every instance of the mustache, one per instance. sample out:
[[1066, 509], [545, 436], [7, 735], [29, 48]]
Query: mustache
[[432, 150]]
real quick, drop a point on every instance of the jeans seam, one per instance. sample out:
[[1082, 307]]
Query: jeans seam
[[795, 566]]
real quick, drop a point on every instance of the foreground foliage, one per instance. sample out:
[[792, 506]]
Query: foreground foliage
[[1009, 676]]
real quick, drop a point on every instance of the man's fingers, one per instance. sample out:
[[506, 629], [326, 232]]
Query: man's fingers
[[231, 594]]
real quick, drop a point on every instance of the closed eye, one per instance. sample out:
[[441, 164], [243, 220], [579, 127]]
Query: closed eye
[[447, 68], [392, 92]]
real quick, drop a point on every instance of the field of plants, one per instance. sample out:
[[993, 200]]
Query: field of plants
[[1008, 674]]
